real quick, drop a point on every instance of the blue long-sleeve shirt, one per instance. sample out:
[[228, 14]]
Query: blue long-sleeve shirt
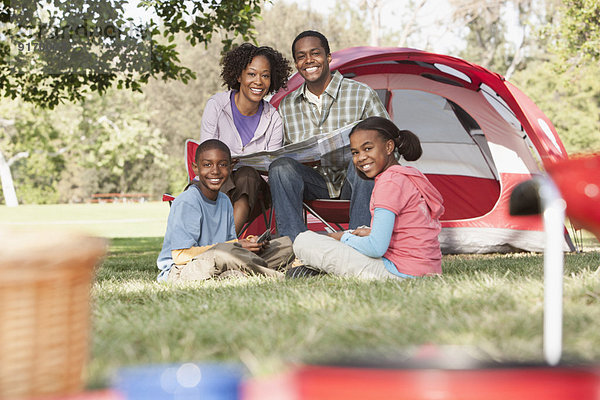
[[376, 244]]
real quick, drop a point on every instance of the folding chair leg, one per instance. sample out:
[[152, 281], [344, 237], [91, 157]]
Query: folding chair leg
[[268, 219], [313, 212], [271, 218], [244, 227], [264, 214]]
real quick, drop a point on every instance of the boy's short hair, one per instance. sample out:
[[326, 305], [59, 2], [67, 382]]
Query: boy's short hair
[[212, 144], [316, 34]]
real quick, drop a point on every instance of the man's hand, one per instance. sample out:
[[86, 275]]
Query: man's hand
[[336, 235], [250, 243], [360, 231]]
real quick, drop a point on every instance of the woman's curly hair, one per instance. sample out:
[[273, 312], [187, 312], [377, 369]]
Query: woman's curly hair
[[237, 59]]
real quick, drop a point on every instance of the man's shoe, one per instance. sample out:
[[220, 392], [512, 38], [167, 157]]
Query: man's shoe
[[301, 271]]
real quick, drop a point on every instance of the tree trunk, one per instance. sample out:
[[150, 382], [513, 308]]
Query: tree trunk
[[409, 26], [8, 188], [375, 11]]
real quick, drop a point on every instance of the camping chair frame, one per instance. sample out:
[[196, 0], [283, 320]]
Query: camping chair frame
[[328, 211]]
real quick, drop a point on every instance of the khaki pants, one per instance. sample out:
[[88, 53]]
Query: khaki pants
[[231, 259], [326, 254]]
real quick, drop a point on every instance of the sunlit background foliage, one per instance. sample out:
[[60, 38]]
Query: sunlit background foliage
[[65, 139]]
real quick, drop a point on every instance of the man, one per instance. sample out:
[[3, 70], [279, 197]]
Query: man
[[324, 103]]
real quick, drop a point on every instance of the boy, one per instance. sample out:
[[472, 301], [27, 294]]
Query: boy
[[200, 240]]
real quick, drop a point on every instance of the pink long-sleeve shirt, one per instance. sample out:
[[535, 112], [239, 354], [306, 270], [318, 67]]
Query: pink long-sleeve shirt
[[414, 248]]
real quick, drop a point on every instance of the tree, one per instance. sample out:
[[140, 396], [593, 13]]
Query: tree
[[486, 31], [33, 151], [490, 42], [373, 8], [114, 148], [60, 50], [364, 18], [571, 100], [102, 144], [578, 31]]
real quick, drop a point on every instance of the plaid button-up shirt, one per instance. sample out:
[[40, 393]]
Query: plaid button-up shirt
[[344, 101]]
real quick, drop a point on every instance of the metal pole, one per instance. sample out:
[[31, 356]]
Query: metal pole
[[553, 207]]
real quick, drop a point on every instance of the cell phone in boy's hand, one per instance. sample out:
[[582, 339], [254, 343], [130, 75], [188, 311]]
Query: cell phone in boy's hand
[[265, 237]]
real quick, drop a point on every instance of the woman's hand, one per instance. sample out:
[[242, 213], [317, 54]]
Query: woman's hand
[[336, 235], [361, 231], [251, 244]]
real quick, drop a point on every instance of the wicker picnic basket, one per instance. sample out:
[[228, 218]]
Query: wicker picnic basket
[[44, 311]]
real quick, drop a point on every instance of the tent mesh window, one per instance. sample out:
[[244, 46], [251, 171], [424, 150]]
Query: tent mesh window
[[456, 155]]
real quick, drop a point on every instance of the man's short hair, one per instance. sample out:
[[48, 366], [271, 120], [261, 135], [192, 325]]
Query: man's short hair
[[318, 35], [212, 144]]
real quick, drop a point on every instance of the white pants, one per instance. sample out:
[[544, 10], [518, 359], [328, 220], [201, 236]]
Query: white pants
[[326, 254]]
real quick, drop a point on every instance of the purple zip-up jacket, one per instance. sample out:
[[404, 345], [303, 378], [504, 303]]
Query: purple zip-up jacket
[[217, 123]]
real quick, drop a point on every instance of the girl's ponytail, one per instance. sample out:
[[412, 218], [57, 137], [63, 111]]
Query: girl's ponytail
[[407, 143]]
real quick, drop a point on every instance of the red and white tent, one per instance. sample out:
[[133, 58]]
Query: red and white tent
[[481, 136]]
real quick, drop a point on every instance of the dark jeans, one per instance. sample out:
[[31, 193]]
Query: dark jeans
[[292, 182]]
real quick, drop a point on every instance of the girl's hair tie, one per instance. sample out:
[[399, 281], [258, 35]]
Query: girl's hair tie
[[398, 141]]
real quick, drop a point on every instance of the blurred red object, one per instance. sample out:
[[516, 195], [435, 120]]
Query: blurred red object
[[578, 180], [332, 383]]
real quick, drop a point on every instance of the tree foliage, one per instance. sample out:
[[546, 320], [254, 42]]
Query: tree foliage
[[578, 33], [101, 144], [486, 30], [490, 41], [31, 144], [59, 50], [570, 99]]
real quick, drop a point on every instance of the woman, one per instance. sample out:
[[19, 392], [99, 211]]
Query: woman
[[245, 122]]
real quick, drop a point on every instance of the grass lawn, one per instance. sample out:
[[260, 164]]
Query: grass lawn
[[107, 220], [493, 302]]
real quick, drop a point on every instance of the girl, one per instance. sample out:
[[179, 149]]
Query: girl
[[405, 208], [245, 122]]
